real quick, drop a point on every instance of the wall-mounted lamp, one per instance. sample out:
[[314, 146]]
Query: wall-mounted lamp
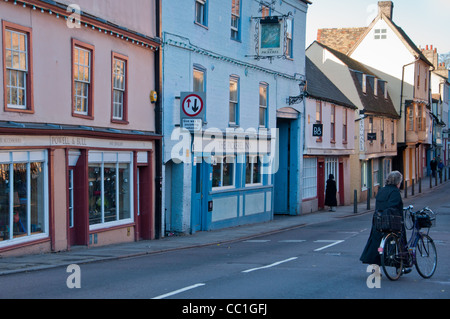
[[298, 99]]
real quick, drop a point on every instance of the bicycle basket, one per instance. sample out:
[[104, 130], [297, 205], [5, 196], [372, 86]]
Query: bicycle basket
[[425, 221], [387, 221]]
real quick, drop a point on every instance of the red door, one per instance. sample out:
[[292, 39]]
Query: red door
[[341, 185], [321, 183]]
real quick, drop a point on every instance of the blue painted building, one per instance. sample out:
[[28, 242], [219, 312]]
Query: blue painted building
[[247, 59]]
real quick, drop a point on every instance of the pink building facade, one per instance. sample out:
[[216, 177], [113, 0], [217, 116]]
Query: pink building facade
[[77, 126]]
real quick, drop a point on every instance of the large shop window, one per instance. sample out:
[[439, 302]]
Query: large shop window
[[23, 196], [223, 172], [110, 189]]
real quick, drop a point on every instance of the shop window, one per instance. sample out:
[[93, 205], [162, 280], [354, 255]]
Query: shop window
[[309, 178], [223, 171], [110, 189], [23, 196], [253, 170]]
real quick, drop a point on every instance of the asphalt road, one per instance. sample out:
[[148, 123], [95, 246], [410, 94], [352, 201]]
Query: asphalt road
[[314, 262]]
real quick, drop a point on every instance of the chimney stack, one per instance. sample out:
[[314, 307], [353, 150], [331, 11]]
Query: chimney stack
[[386, 7]]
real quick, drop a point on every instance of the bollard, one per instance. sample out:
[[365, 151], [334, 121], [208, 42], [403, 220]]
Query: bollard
[[412, 187], [368, 198], [436, 179], [355, 202], [420, 185], [431, 181]]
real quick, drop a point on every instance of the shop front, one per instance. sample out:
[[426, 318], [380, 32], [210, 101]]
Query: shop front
[[75, 188]]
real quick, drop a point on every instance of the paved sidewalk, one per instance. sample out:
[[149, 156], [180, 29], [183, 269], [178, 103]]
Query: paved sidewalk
[[83, 255]]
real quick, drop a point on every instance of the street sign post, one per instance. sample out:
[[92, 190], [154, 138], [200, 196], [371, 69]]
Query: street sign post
[[192, 110]]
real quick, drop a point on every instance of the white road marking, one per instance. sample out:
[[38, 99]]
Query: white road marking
[[176, 292], [333, 243], [292, 241], [272, 265], [256, 241]]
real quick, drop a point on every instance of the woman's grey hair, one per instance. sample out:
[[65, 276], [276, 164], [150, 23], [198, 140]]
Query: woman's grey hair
[[394, 178]]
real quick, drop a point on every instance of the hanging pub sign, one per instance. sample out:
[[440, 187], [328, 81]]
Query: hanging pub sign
[[372, 136], [271, 37]]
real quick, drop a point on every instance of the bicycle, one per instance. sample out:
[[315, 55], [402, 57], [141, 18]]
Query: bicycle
[[420, 250]]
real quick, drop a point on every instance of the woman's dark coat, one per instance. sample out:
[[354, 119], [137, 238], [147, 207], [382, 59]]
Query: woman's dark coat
[[330, 193], [388, 196]]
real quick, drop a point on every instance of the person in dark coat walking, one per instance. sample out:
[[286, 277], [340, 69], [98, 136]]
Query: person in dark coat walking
[[330, 193], [387, 197], [433, 166]]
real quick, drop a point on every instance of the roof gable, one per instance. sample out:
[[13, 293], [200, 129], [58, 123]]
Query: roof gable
[[399, 32]]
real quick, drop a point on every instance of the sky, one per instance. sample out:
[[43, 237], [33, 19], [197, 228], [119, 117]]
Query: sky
[[425, 21]]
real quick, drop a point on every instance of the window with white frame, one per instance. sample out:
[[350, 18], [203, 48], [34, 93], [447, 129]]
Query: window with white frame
[[344, 126], [16, 68], [376, 172], [201, 12], [364, 176], [223, 171], [234, 101], [199, 79], [364, 83], [289, 43], [110, 188], [309, 178], [23, 196], [119, 89], [235, 19], [252, 170], [380, 34], [263, 104], [333, 123], [82, 79], [392, 132]]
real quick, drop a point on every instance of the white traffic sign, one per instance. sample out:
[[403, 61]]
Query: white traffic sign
[[192, 105], [192, 110]]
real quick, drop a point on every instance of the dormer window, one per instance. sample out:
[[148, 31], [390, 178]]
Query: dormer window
[[385, 91], [364, 83], [375, 87]]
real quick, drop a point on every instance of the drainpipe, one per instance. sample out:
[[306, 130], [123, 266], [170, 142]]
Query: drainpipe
[[158, 126]]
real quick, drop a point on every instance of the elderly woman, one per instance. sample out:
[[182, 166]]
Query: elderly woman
[[387, 197]]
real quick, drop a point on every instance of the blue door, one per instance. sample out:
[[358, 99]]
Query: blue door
[[199, 185], [282, 178]]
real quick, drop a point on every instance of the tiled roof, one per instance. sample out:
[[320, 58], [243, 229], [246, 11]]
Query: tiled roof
[[320, 87]]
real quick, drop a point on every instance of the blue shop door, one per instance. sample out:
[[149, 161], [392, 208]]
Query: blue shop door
[[282, 179], [199, 207]]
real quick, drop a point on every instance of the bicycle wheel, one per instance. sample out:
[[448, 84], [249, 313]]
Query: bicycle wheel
[[391, 257], [408, 219], [426, 256]]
